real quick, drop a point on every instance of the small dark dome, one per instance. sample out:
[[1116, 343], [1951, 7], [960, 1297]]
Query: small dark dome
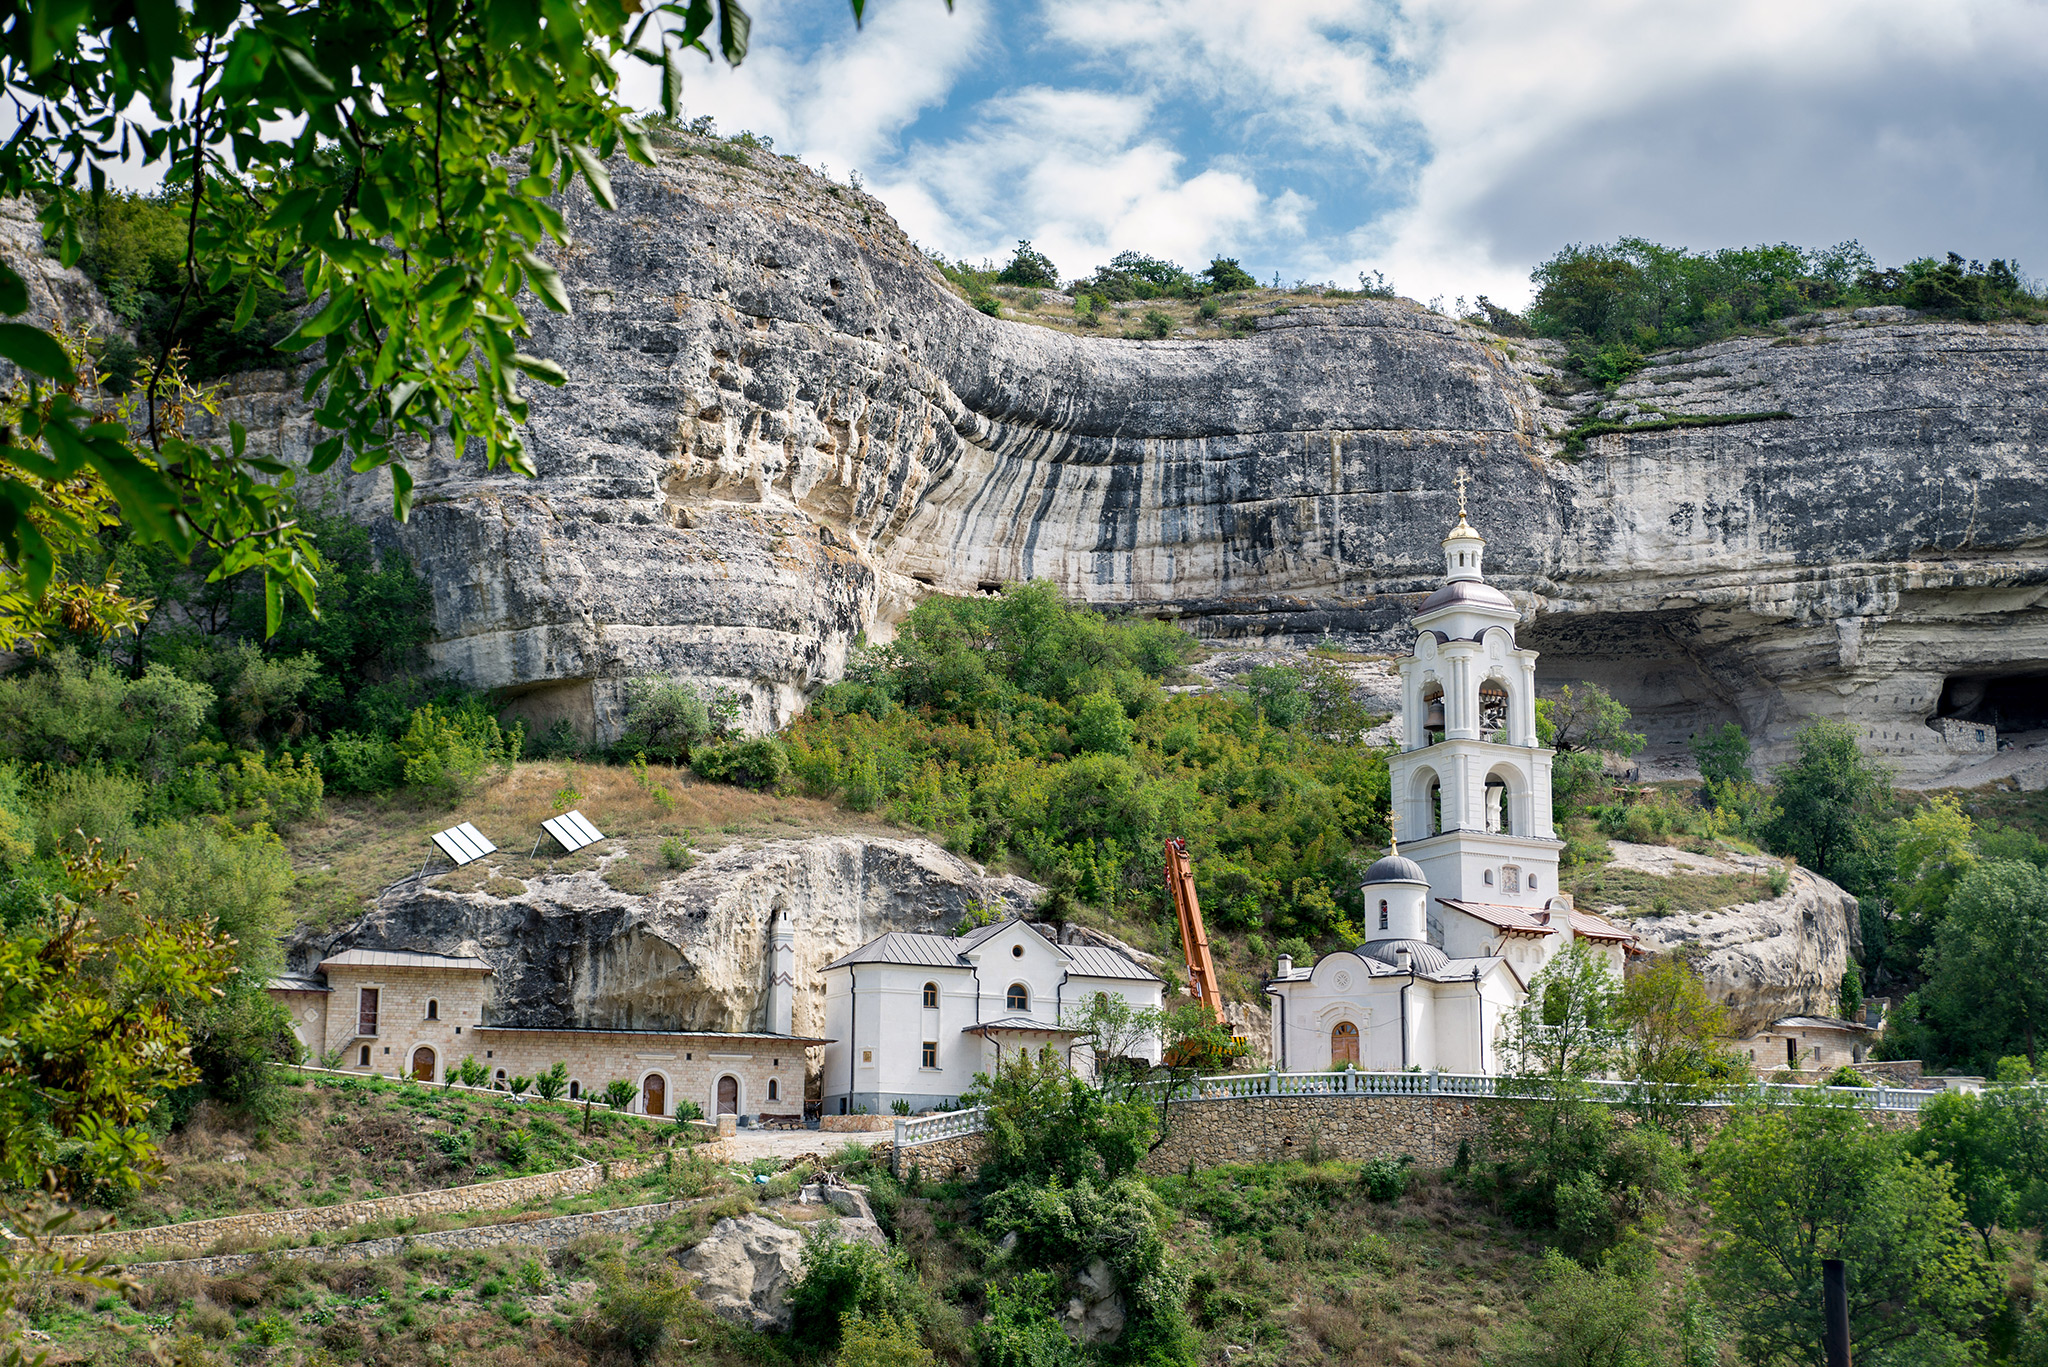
[[1423, 956], [1396, 869], [1470, 591]]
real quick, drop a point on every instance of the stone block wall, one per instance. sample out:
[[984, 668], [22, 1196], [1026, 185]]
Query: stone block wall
[[1267, 1129]]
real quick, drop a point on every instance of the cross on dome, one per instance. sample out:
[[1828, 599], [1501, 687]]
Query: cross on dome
[[1464, 546]]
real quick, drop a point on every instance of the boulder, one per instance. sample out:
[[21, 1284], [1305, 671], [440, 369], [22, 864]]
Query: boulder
[[743, 1271]]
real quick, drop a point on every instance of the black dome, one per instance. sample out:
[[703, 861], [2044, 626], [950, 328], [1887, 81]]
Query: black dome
[[1396, 869]]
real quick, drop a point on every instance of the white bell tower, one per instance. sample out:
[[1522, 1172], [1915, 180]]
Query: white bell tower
[[1471, 786]]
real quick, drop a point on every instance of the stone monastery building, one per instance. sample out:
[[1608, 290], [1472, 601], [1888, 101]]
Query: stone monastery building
[[405, 1014], [1467, 909]]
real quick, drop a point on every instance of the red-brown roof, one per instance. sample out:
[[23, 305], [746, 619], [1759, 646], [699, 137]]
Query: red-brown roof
[[1516, 920], [1600, 928]]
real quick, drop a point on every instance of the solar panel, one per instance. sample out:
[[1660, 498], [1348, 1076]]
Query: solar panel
[[464, 844], [572, 831]]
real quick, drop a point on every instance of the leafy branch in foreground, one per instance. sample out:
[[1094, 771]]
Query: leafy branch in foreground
[[391, 163]]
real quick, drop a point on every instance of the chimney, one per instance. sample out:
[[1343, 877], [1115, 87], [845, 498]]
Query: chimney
[[1286, 965], [781, 975]]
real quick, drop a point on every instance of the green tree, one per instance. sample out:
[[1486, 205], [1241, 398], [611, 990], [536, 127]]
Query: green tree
[[1932, 848], [1830, 799], [1675, 1032], [1790, 1186], [1987, 985], [1044, 1122], [1030, 267], [1722, 755], [1101, 726], [1570, 1025], [1586, 718], [1995, 1144], [1226, 276]]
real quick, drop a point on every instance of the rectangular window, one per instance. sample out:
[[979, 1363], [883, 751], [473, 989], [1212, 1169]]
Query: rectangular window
[[366, 1011], [931, 1054]]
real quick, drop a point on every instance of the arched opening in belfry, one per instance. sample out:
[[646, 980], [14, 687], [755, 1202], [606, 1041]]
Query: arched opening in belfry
[[1493, 710], [1499, 814], [1433, 721], [1434, 812]]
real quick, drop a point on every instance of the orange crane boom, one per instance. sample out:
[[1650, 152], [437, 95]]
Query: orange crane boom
[[1194, 938]]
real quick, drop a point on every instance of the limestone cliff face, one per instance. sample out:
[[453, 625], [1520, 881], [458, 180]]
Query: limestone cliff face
[[693, 953], [782, 428], [1778, 956]]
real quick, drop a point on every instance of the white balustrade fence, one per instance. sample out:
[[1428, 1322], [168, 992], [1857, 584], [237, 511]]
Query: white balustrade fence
[[1351, 1082]]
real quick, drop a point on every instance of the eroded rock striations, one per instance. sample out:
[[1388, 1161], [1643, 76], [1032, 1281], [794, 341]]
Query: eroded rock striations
[[782, 427], [693, 953]]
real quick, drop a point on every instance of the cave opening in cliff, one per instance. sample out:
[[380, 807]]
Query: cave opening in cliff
[[2012, 700], [1670, 691]]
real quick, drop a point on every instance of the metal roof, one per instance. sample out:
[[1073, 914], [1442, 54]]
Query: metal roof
[[1599, 928], [905, 947], [1022, 1025], [295, 982], [1094, 961], [920, 950], [401, 958], [750, 1036], [1518, 919], [1819, 1023]]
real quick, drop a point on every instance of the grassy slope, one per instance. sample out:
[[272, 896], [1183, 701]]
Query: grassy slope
[[348, 1141], [1293, 1264], [364, 844]]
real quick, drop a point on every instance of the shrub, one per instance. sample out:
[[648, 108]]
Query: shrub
[[1157, 324], [472, 1072], [686, 1109], [1845, 1076], [666, 717], [519, 1084], [91, 800], [1385, 1179], [619, 1093], [758, 764], [1225, 275], [885, 1342], [989, 305], [636, 1309], [675, 852], [446, 752], [360, 762], [842, 1281], [1021, 1328], [550, 1085]]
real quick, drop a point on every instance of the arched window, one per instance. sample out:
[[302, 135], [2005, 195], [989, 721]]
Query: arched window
[[1018, 998], [575, 1090], [931, 994], [1383, 913], [1344, 1045], [363, 1059], [1497, 812], [1488, 876], [433, 1009], [1435, 813], [499, 1081], [774, 1089]]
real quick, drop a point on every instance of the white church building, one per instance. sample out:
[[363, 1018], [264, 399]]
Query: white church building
[[913, 1017], [1467, 910]]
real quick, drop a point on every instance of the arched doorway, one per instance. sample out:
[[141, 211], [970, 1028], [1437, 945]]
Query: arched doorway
[[728, 1095], [656, 1092], [1344, 1045], [423, 1064]]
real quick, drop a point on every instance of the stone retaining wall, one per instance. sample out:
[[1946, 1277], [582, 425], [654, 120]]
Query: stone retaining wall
[[264, 1226], [551, 1232], [1269, 1129]]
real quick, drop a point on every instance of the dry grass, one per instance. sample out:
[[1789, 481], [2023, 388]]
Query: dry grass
[[365, 844], [1230, 315], [1650, 894]]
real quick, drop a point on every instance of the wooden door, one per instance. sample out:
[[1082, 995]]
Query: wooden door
[[728, 1095], [366, 1011], [423, 1064], [1344, 1045], [656, 1092]]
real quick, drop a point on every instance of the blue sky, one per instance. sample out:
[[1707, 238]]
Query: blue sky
[[1451, 144]]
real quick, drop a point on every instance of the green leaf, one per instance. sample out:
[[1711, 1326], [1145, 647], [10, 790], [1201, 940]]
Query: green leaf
[[546, 281], [542, 369], [238, 436], [733, 28], [594, 172], [401, 492], [671, 80], [13, 291], [245, 307], [325, 453], [273, 603], [31, 348], [309, 77], [339, 310]]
